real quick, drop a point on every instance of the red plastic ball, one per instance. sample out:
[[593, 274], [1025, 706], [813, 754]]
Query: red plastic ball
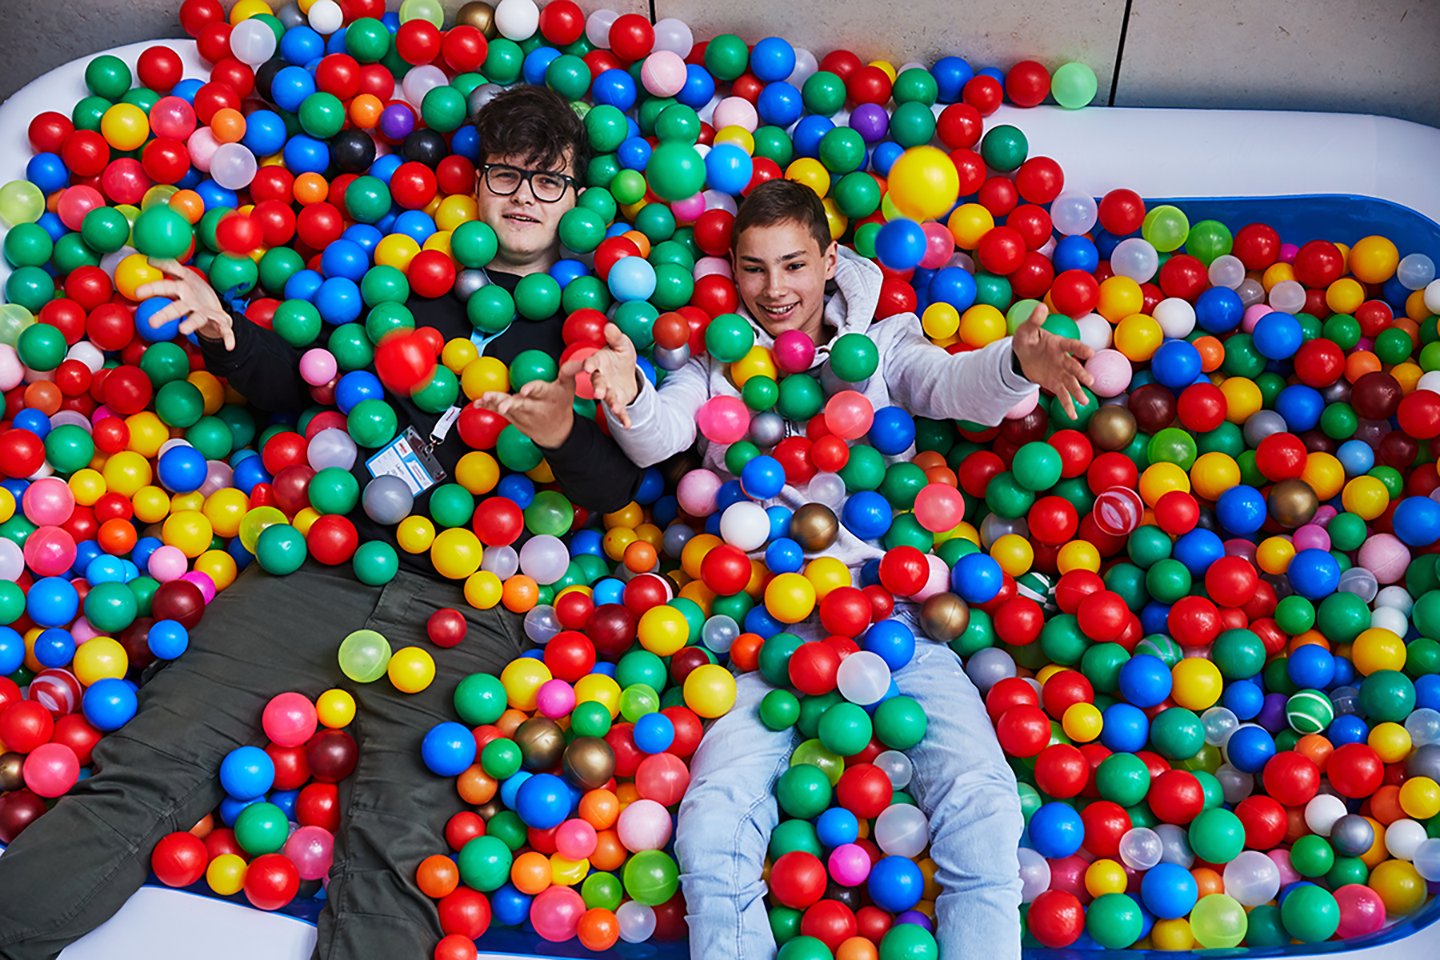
[[331, 755], [1061, 771], [813, 668], [864, 789], [1193, 621], [1105, 823], [1264, 821], [1018, 621], [1177, 797], [1102, 616], [1291, 778], [1056, 918], [632, 36], [1027, 84], [984, 93], [1319, 263], [1355, 770], [830, 922], [464, 912], [271, 881], [1121, 212], [1023, 731], [1256, 245]]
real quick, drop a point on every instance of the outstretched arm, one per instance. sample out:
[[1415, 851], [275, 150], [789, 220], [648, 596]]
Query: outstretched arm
[[649, 424], [1051, 363]]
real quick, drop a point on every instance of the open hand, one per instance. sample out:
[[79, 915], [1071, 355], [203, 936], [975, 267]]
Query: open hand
[[194, 299], [542, 411], [613, 373], [1051, 363]]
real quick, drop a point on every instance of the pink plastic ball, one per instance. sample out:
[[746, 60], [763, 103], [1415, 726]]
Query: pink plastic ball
[[1111, 370], [1023, 408], [696, 492], [689, 209], [848, 415], [938, 581], [723, 419], [713, 267], [167, 563], [1252, 316], [218, 476], [1385, 556], [1288, 874], [1361, 910], [312, 850], [736, 112], [77, 201], [555, 698], [51, 769], [1311, 537], [662, 777], [318, 366], [203, 581], [939, 246], [663, 73], [1069, 875], [575, 839], [82, 630], [556, 913], [849, 864], [172, 117], [50, 551], [793, 351], [289, 719], [48, 502], [643, 825], [939, 507], [202, 146]]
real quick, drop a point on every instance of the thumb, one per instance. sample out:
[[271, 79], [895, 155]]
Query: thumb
[[568, 371], [617, 340], [1039, 313]]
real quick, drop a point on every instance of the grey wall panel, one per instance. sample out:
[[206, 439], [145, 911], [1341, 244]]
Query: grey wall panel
[[1352, 56]]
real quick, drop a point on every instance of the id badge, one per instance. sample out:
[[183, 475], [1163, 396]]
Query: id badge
[[409, 458]]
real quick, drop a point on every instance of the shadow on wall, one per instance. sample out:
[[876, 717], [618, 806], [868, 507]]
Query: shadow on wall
[[40, 35]]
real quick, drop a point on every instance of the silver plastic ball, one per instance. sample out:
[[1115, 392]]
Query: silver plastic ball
[[1337, 392], [482, 95], [387, 499], [290, 16], [767, 429], [672, 359], [1262, 424], [1352, 835], [1425, 762], [467, 282]]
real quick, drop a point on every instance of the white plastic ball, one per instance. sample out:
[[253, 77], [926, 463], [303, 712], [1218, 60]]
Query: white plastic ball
[[745, 525], [1322, 811], [517, 19]]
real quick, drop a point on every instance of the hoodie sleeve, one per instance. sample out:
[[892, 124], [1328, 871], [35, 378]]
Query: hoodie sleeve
[[979, 385], [263, 367], [662, 422]]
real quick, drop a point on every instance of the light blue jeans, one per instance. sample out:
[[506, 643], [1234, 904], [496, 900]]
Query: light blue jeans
[[961, 782]]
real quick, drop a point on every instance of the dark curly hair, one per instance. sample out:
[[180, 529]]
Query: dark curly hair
[[783, 201], [535, 123]]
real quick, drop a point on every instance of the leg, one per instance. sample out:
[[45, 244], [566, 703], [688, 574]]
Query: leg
[[968, 791], [726, 820], [395, 809], [75, 866]]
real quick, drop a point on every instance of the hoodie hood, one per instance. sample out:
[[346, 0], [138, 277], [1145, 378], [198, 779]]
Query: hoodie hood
[[850, 302]]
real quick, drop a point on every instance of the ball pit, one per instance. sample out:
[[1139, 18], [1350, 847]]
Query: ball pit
[[1190, 687]]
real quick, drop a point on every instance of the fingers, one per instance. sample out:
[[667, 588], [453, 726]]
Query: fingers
[[1066, 404], [1077, 349], [159, 288], [1040, 313], [615, 337], [171, 268], [176, 310]]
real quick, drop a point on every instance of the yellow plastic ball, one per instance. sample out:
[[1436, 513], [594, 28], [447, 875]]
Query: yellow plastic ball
[[522, 680], [1105, 876], [1366, 497], [134, 272], [790, 597], [826, 574], [483, 590], [396, 250], [255, 523], [415, 533], [969, 223], [1378, 649], [1138, 336], [757, 363], [1274, 555], [1400, 886], [1325, 475], [835, 219], [194, 500], [982, 325], [7, 501], [151, 504], [1172, 935], [736, 135], [1242, 399], [86, 485], [696, 592], [615, 542], [454, 210], [1161, 478], [211, 390], [1344, 295], [189, 531], [1420, 798], [99, 658], [1390, 741], [1082, 722], [663, 630], [1119, 298], [598, 688], [456, 553], [695, 551], [565, 872], [219, 566], [1078, 555], [246, 9], [459, 353], [483, 375], [629, 516], [411, 669], [1213, 473], [1374, 259], [710, 690], [940, 321], [148, 433], [335, 708], [126, 472], [226, 874], [1014, 553], [924, 183], [225, 509], [1196, 683], [477, 472], [812, 173], [125, 126]]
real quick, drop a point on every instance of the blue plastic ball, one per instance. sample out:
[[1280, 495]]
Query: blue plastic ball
[[654, 732], [1417, 521], [12, 651], [448, 749], [1197, 550], [1250, 748], [109, 703], [1176, 364], [762, 477], [1277, 335], [1301, 407], [52, 602], [1218, 310], [1145, 680], [632, 278], [1347, 729], [896, 884], [1244, 698], [977, 578], [1056, 830], [728, 168], [247, 772], [509, 906], [1125, 728], [900, 244], [543, 801], [181, 469], [1356, 456], [867, 514], [54, 647], [1169, 890], [772, 59], [168, 639], [892, 641], [1314, 573], [893, 431], [1311, 666], [955, 286], [780, 104], [1242, 509], [784, 556], [836, 827]]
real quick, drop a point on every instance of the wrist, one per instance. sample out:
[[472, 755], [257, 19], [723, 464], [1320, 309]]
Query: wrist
[[556, 436]]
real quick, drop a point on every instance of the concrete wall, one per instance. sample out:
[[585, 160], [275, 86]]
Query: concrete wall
[[1364, 56]]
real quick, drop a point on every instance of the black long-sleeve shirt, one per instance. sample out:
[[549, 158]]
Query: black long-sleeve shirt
[[590, 468]]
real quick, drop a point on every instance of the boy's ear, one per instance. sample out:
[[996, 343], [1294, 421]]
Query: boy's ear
[[831, 258]]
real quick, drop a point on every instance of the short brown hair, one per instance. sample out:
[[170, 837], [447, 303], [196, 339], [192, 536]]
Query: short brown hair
[[783, 201], [535, 123]]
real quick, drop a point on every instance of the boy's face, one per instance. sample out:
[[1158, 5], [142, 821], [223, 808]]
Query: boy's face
[[526, 228], [781, 272]]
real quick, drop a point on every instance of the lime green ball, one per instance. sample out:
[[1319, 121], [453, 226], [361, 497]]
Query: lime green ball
[[1166, 227], [651, 877], [1074, 85]]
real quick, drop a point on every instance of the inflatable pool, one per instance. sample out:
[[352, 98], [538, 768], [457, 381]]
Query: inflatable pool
[[1342, 177]]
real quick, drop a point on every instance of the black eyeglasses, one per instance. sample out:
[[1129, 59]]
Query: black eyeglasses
[[546, 185]]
